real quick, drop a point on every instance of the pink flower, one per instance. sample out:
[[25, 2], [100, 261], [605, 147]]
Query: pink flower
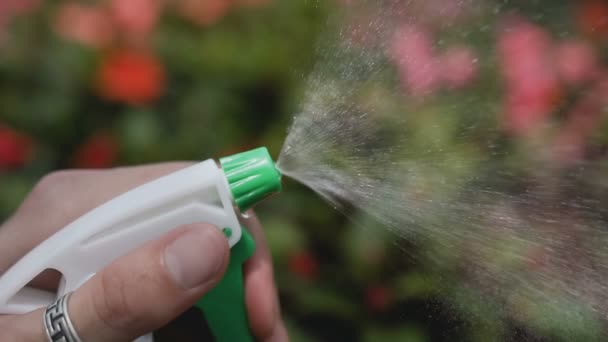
[[86, 24], [458, 66], [531, 81], [576, 61], [203, 12], [412, 51], [253, 3], [528, 107], [523, 49], [136, 18], [17, 7], [10, 8]]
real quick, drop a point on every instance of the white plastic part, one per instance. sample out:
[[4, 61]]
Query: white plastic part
[[199, 193]]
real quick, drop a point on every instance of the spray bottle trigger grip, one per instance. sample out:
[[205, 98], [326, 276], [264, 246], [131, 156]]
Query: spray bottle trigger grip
[[224, 306]]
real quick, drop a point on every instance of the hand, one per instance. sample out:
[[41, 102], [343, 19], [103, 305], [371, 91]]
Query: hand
[[116, 305]]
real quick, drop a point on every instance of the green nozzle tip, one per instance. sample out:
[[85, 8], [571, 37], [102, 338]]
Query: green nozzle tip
[[252, 176]]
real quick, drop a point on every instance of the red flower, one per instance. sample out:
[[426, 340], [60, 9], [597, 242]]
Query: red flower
[[131, 77], [15, 148], [99, 151], [527, 107], [593, 17], [304, 265], [378, 298]]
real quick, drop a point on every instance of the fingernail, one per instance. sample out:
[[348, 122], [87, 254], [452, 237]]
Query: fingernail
[[196, 256]]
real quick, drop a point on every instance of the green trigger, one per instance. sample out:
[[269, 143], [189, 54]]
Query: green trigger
[[224, 306]]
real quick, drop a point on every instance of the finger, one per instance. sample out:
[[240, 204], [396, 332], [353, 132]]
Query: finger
[[149, 287], [26, 328], [279, 334], [260, 291], [62, 197]]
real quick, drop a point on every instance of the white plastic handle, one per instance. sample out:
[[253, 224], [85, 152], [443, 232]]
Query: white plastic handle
[[199, 193]]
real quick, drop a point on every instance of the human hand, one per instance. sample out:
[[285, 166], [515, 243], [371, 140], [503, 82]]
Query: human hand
[[116, 305]]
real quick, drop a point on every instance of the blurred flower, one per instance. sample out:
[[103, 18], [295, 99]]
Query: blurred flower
[[133, 77], [252, 3], [86, 24], [593, 17], [136, 18], [378, 298], [458, 66], [15, 148], [99, 151], [304, 264], [412, 50], [203, 12], [576, 61], [10, 8], [532, 85], [16, 7], [582, 121]]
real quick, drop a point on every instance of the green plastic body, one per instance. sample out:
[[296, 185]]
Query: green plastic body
[[224, 306], [252, 176]]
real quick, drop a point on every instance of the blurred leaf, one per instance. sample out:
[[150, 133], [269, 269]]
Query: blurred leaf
[[406, 333], [140, 131], [318, 300], [414, 285], [283, 237], [13, 190]]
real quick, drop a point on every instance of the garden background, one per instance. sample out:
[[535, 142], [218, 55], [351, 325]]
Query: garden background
[[97, 84]]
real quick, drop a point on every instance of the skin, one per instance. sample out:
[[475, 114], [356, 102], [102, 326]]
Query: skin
[[116, 305]]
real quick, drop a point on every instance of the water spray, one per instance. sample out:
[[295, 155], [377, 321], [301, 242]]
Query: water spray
[[205, 192]]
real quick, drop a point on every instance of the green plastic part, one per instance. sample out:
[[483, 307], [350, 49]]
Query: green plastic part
[[252, 176], [224, 306]]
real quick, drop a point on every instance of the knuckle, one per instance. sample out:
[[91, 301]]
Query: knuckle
[[52, 199], [51, 185], [56, 180], [48, 193]]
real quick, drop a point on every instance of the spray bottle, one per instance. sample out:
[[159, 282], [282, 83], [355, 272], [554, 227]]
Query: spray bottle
[[205, 192]]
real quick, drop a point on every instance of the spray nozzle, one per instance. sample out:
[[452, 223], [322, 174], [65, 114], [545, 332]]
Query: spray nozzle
[[252, 176]]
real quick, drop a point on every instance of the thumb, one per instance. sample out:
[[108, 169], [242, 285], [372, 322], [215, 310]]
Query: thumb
[[149, 287]]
